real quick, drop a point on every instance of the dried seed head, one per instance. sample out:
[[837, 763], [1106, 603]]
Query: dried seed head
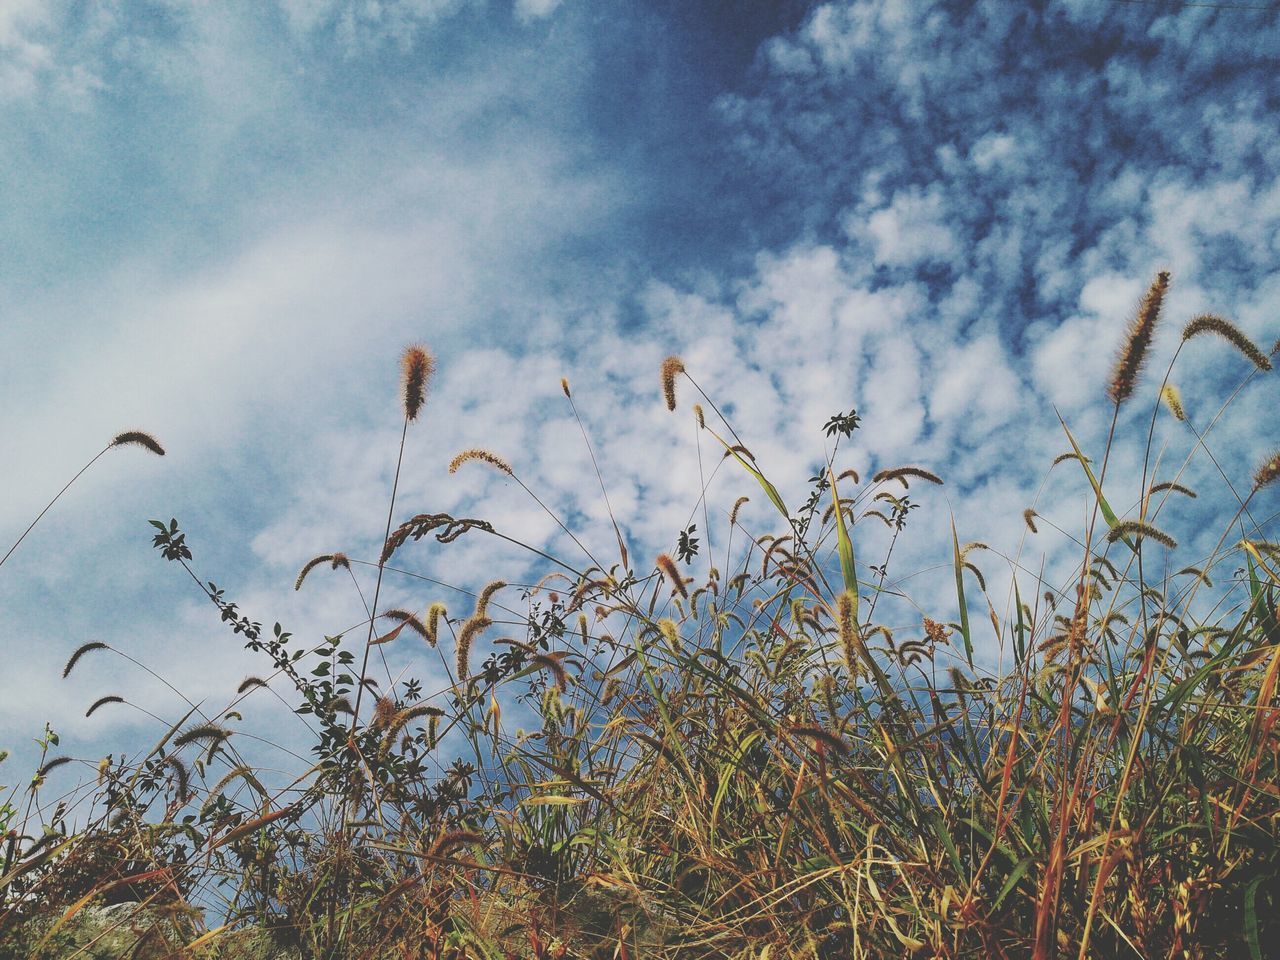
[[311, 565], [1138, 528], [482, 601], [1173, 400], [672, 573], [477, 454], [901, 473], [671, 366], [434, 613], [1267, 472], [564, 385], [102, 702], [1228, 331], [699, 416], [1029, 517], [138, 438], [474, 626], [1176, 487], [80, 652], [823, 738], [384, 711], [850, 643], [417, 365], [409, 620], [671, 634], [553, 666], [1138, 339]]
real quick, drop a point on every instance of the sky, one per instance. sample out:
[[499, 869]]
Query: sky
[[223, 222]]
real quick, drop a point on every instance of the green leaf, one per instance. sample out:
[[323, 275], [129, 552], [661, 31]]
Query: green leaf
[[1019, 871], [1020, 631], [940, 828], [844, 545], [770, 490], [1251, 918], [964, 608], [1107, 513]]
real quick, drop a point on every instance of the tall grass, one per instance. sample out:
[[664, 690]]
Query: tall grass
[[771, 759]]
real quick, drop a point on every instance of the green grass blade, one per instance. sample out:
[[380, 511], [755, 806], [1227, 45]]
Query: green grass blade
[[769, 489], [1251, 918], [1019, 871], [844, 546], [1107, 513], [964, 608]]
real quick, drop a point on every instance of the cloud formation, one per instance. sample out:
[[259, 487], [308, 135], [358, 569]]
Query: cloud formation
[[969, 201]]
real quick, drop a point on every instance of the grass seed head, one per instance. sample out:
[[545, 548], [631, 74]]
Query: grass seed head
[[672, 574], [139, 439], [1267, 472], [466, 456], [1228, 331], [671, 366], [1138, 340], [416, 366], [1173, 400]]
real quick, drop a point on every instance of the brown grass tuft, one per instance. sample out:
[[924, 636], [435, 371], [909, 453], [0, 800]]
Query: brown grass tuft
[[1173, 400], [417, 365], [466, 456], [671, 366], [102, 702], [409, 620], [850, 642], [901, 473], [672, 574], [140, 439], [1138, 339], [1137, 528], [1228, 331], [474, 626], [80, 652], [1267, 472], [482, 601]]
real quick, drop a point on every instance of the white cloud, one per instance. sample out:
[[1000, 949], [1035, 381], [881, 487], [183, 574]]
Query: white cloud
[[527, 10], [914, 229]]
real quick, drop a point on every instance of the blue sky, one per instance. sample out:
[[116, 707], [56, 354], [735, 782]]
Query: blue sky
[[221, 223]]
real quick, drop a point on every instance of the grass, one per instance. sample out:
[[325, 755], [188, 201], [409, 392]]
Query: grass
[[782, 758]]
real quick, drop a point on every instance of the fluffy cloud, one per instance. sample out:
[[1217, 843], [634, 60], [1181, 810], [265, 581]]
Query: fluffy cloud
[[970, 199]]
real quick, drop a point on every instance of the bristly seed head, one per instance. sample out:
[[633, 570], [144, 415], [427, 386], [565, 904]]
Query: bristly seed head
[[1141, 330], [1268, 472], [850, 643], [474, 626], [672, 573], [1138, 528], [1228, 331], [417, 365], [1173, 400], [670, 367], [475, 453], [564, 385], [1029, 517], [384, 711], [482, 601], [138, 438], [901, 473]]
